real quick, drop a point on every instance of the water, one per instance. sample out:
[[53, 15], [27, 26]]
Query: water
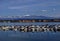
[[36, 23], [29, 36]]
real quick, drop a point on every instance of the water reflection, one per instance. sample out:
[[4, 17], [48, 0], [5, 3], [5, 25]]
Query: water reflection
[[29, 36]]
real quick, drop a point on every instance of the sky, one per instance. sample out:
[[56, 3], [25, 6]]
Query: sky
[[30, 7]]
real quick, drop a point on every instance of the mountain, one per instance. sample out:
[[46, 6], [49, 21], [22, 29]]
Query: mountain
[[26, 17], [37, 17]]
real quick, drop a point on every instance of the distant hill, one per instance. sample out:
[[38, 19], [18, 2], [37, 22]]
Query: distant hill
[[37, 17], [26, 17]]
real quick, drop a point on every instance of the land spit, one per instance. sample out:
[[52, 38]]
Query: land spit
[[31, 28]]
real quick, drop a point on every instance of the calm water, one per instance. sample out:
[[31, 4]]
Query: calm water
[[36, 23], [29, 36]]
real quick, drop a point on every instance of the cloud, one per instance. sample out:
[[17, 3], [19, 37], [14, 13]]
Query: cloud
[[27, 5], [54, 9], [44, 10], [24, 6]]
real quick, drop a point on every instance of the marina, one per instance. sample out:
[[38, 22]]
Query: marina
[[29, 20], [29, 24], [31, 28]]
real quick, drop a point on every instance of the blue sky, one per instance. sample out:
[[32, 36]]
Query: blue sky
[[30, 7]]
